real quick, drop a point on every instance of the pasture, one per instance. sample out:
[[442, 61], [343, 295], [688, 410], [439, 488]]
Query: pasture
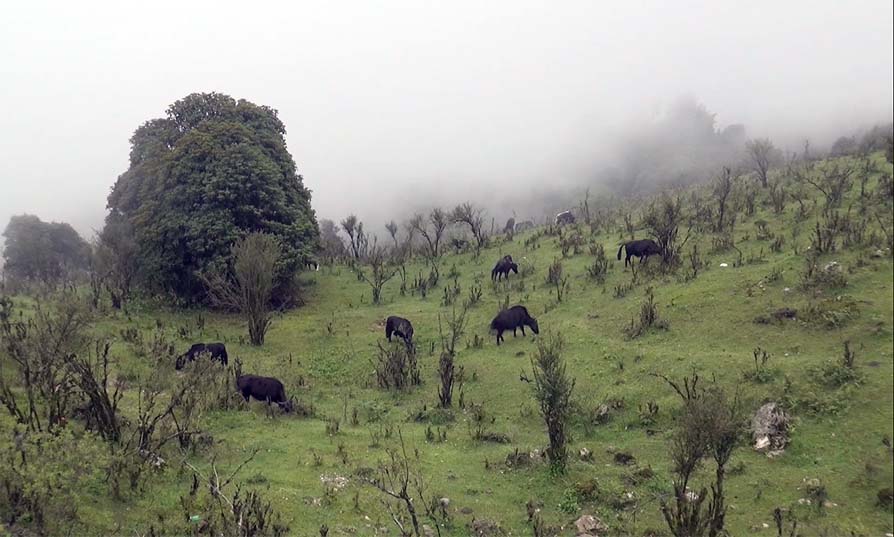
[[624, 413]]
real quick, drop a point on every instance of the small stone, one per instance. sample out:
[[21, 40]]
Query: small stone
[[724, 265]]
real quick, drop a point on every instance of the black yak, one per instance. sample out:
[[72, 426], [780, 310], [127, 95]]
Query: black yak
[[503, 267], [564, 218], [512, 319], [217, 351], [400, 327], [642, 249], [267, 389], [524, 226]]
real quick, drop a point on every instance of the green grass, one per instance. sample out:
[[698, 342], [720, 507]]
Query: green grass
[[711, 330]]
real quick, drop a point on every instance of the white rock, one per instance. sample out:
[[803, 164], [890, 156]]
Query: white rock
[[724, 264], [589, 524]]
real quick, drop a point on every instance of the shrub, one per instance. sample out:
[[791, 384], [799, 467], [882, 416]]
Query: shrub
[[598, 269], [841, 372], [40, 474], [709, 426], [761, 373], [396, 367], [250, 289], [552, 389], [814, 277], [830, 312], [648, 318]]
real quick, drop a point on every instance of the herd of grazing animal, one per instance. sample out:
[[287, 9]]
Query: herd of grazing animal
[[271, 390]]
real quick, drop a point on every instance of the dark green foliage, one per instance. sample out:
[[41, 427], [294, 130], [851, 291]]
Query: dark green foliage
[[45, 252], [209, 172]]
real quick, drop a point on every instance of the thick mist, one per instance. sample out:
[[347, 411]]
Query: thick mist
[[397, 107]]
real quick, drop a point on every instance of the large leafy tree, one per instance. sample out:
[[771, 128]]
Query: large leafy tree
[[43, 251], [207, 174]]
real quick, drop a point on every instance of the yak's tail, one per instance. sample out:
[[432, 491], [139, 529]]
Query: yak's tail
[[619, 250]]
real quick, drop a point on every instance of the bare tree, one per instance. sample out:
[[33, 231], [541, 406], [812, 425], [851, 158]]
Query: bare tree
[[473, 217], [406, 492], [91, 374], [833, 180], [392, 228], [447, 372], [376, 270], [249, 289], [432, 230], [723, 187], [762, 154], [357, 238], [585, 207]]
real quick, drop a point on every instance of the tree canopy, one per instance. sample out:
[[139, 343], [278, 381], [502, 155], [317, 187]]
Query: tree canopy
[[42, 251], [211, 171]]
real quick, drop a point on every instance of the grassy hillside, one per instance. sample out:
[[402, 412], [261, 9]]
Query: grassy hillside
[[323, 351]]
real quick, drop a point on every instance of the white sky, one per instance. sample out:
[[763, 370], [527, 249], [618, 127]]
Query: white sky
[[387, 102]]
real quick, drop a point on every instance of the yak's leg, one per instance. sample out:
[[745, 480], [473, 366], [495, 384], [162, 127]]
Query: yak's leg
[[523, 329]]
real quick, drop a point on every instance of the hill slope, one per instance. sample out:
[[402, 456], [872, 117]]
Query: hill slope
[[323, 354]]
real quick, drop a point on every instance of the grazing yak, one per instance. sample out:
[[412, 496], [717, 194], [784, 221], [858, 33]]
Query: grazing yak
[[512, 319], [217, 351], [267, 389], [400, 327], [564, 218], [503, 267], [641, 249], [524, 226]]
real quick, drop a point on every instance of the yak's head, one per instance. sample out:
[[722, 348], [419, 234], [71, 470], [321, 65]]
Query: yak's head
[[532, 322], [181, 361], [513, 267], [287, 406]]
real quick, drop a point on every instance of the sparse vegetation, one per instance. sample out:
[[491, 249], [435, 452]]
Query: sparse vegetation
[[112, 423]]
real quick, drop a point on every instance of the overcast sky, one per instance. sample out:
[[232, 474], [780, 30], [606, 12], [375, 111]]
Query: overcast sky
[[388, 101]]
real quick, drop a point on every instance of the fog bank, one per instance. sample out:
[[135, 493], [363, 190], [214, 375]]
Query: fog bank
[[394, 107]]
